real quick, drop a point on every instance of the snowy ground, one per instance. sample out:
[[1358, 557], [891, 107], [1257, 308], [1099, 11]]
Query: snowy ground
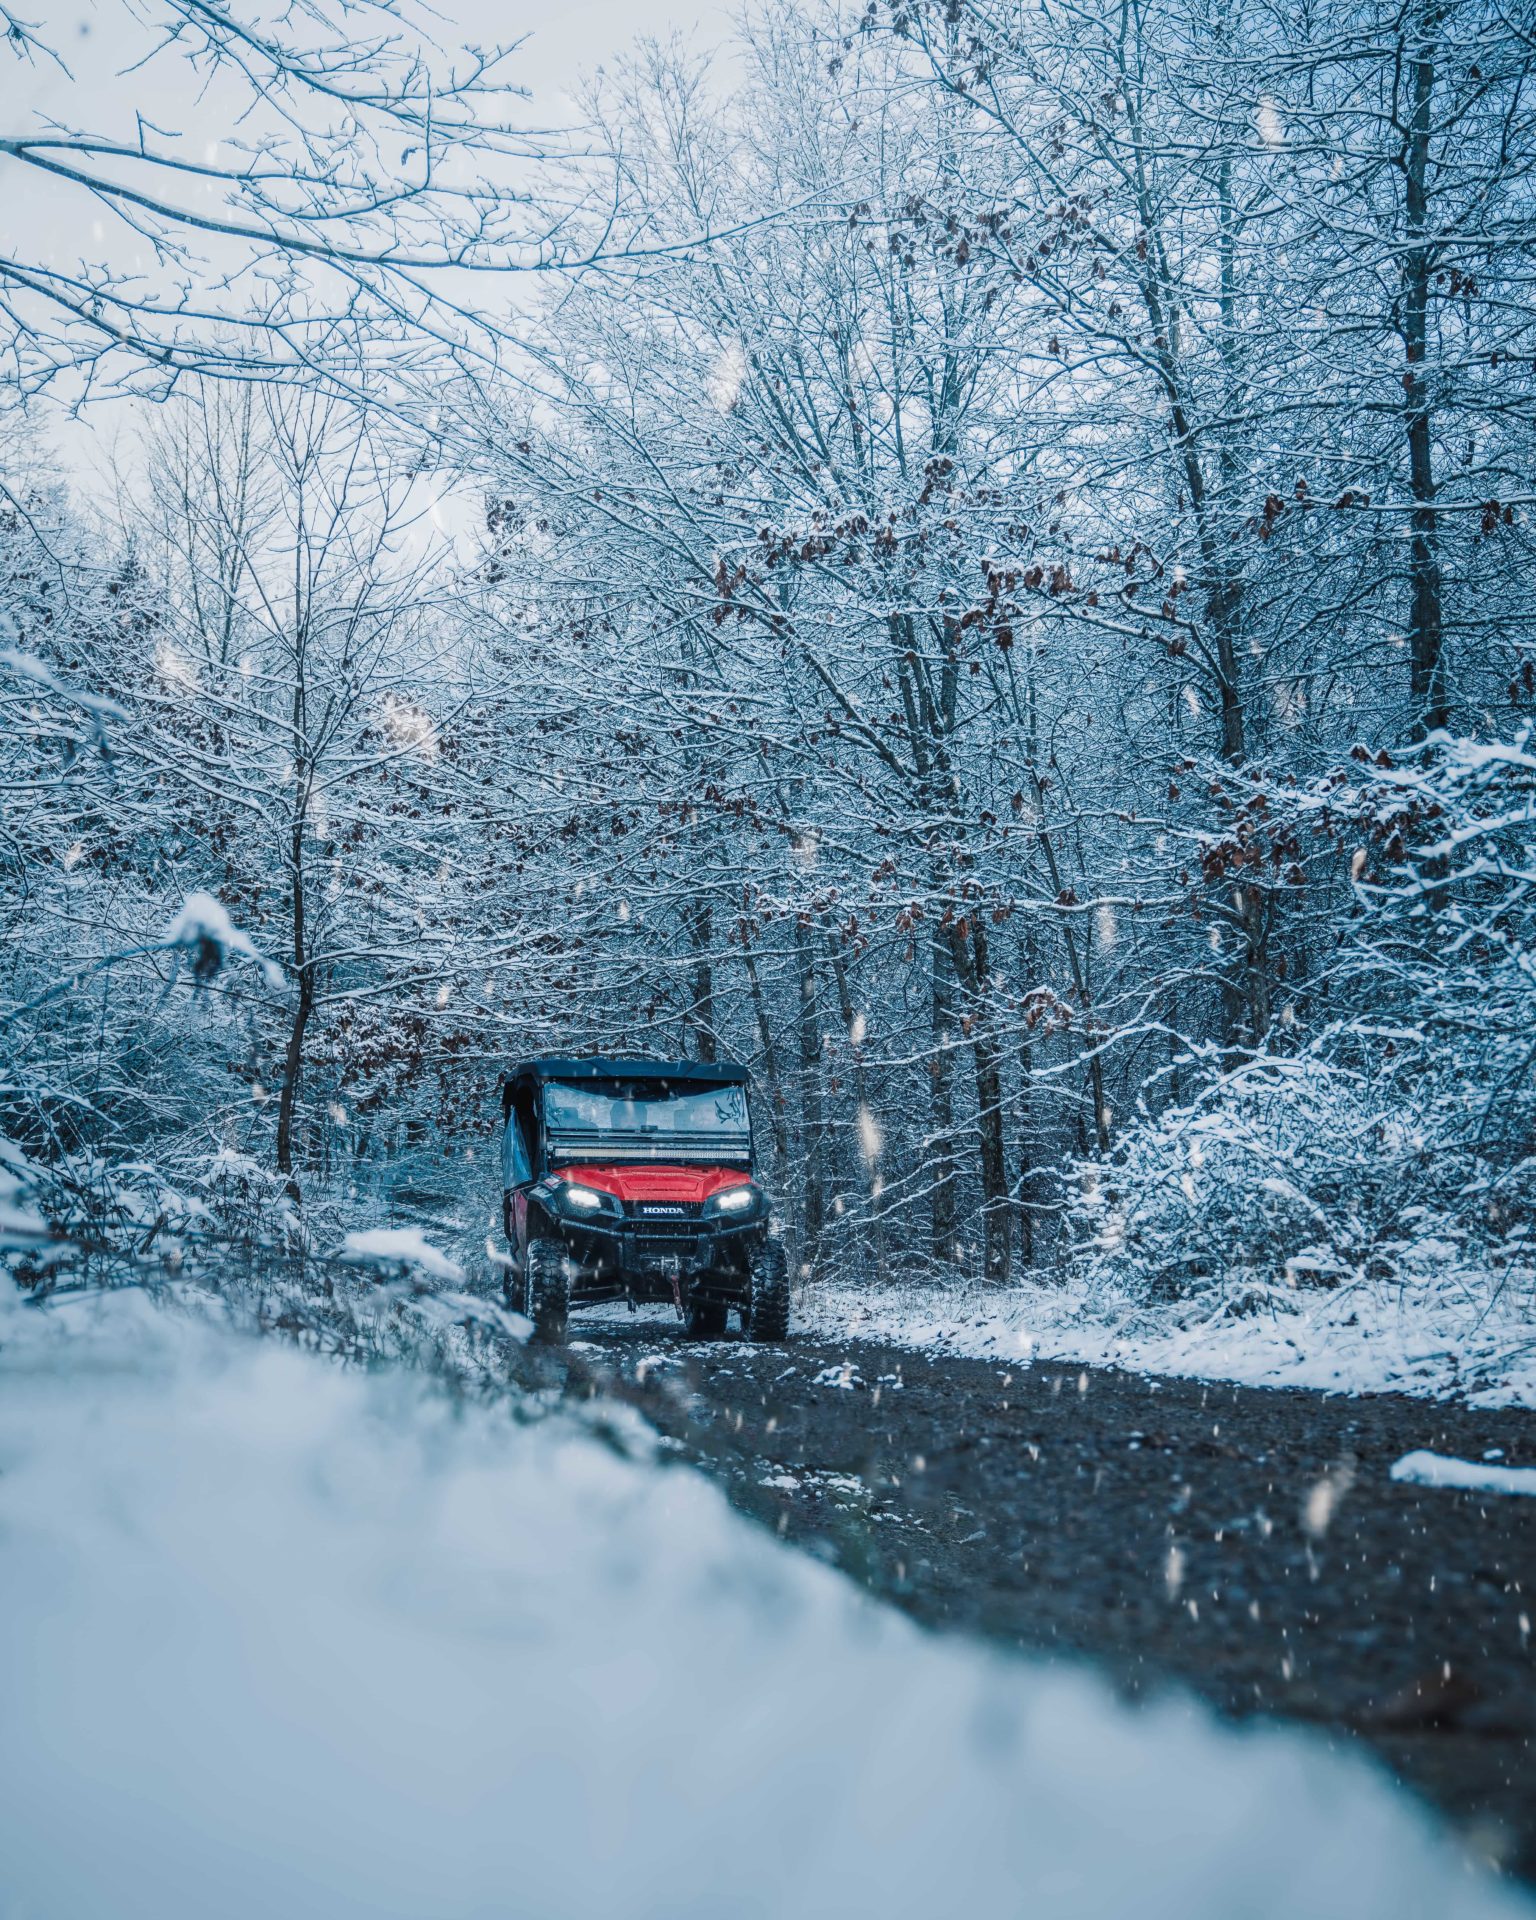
[[1447, 1334], [1440, 1341], [288, 1638]]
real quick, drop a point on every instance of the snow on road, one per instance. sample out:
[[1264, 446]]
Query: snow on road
[[1426, 1469], [287, 1639], [1384, 1339]]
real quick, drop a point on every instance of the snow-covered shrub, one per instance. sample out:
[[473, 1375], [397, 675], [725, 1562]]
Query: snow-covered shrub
[[1283, 1173], [116, 1219], [245, 1200], [104, 1216], [1443, 963], [22, 1228], [1397, 1140]]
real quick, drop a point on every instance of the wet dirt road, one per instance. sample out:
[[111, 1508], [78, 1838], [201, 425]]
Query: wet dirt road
[[1245, 1543]]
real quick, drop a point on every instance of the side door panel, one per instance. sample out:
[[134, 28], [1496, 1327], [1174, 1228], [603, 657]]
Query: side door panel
[[519, 1167]]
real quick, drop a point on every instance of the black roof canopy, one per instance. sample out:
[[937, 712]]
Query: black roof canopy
[[683, 1073]]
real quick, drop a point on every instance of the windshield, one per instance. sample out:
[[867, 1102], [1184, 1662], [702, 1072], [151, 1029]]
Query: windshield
[[613, 1107]]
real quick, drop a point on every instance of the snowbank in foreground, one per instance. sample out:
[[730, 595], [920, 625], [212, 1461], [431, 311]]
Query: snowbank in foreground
[[1355, 1339], [282, 1639]]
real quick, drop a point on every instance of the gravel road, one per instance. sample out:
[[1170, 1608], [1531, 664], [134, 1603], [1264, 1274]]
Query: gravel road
[[1248, 1544]]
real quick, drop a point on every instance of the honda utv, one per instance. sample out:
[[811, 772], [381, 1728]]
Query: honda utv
[[633, 1180]]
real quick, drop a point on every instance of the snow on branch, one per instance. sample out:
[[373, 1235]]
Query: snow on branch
[[396, 1247], [204, 929]]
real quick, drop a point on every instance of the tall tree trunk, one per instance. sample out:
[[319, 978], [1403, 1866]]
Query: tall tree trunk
[[304, 1002], [1026, 719], [941, 1128], [968, 947], [1222, 591], [1221, 586], [701, 1014], [1026, 1184], [770, 1061], [868, 1148], [1253, 907], [293, 1062], [1426, 664], [813, 1211]]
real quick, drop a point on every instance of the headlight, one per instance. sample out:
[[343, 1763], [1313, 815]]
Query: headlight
[[584, 1200], [734, 1202]]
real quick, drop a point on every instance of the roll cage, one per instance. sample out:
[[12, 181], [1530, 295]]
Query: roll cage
[[531, 1147]]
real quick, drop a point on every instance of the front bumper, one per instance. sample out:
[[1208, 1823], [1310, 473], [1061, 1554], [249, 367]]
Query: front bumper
[[646, 1256]]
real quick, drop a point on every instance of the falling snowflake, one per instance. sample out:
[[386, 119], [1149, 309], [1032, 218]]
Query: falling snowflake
[[408, 726], [726, 376]]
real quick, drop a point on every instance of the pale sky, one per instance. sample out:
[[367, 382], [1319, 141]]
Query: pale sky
[[95, 40], [569, 36]]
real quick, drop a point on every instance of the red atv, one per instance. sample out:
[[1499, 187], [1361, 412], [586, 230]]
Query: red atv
[[632, 1179]]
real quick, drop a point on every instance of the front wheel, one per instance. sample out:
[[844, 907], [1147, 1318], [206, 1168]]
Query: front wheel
[[547, 1289], [767, 1315]]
